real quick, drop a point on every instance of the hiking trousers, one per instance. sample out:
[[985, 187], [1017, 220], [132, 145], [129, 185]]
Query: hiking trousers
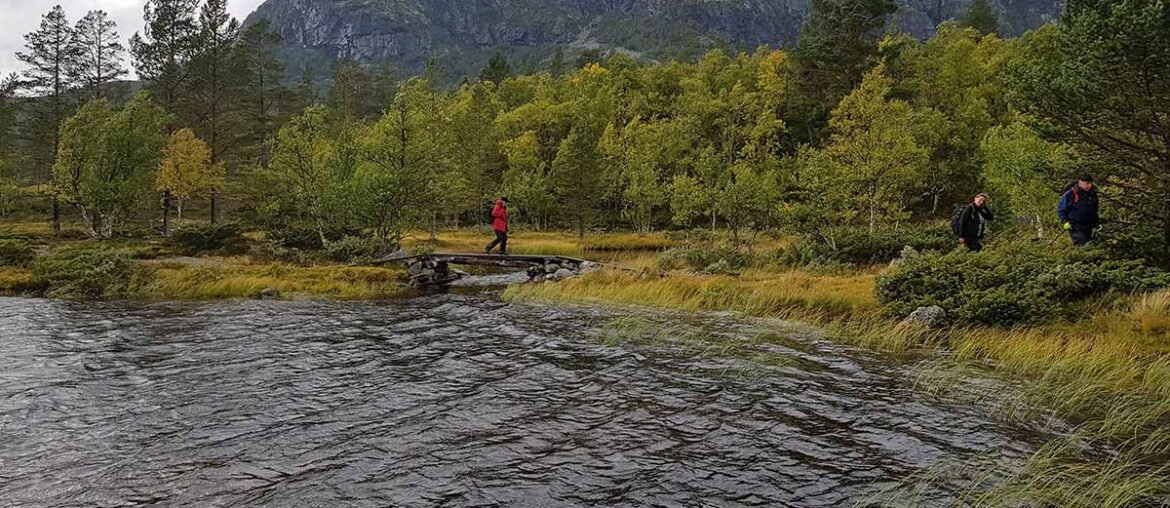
[[501, 240], [973, 244], [1080, 236]]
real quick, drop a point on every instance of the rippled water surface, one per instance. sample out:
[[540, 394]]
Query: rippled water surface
[[447, 401]]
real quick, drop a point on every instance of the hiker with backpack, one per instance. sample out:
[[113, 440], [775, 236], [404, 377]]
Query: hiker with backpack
[[499, 226], [969, 222], [1078, 210]]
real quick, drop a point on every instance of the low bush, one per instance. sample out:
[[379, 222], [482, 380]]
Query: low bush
[[89, 273], [1016, 284], [708, 259], [306, 237], [353, 248], [15, 253], [860, 247], [225, 239]]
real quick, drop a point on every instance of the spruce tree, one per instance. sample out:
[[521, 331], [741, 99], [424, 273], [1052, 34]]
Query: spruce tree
[[836, 48], [496, 70], [99, 53], [210, 82], [51, 51], [260, 91], [981, 17], [163, 49]]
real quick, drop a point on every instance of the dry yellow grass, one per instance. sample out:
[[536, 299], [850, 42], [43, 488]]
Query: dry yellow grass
[[787, 294], [246, 281], [542, 242]]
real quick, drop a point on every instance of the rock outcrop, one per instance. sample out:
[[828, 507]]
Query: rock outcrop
[[461, 34]]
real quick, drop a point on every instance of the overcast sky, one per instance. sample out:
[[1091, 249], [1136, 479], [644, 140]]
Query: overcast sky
[[18, 17]]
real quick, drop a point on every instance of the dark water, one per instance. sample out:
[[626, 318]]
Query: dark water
[[446, 401]]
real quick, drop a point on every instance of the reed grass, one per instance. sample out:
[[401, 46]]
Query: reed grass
[[246, 281]]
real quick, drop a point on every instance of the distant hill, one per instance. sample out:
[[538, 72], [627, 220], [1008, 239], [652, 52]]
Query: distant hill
[[462, 34]]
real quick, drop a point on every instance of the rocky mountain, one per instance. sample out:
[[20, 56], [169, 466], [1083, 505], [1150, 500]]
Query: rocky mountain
[[462, 34]]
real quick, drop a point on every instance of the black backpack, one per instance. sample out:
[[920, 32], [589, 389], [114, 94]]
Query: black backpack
[[957, 220]]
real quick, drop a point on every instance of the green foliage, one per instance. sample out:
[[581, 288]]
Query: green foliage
[[873, 162], [705, 258], [856, 246], [106, 161], [223, 239], [1100, 81], [981, 17], [1018, 284], [89, 273], [354, 249], [15, 252], [497, 69]]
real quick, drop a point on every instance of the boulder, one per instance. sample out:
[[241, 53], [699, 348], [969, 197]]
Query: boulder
[[562, 274], [269, 294], [929, 317]]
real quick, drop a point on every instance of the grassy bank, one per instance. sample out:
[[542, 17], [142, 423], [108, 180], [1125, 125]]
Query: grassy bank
[[1107, 374]]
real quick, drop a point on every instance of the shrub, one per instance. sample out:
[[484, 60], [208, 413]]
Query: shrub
[[89, 273], [15, 253], [709, 259], [271, 251], [1017, 284], [305, 237], [227, 239], [860, 247], [352, 248]]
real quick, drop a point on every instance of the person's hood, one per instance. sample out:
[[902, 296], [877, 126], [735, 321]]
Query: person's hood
[[500, 202]]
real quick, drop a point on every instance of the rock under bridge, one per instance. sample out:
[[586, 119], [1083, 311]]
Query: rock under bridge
[[425, 270]]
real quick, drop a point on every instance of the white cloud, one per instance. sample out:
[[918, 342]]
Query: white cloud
[[18, 17]]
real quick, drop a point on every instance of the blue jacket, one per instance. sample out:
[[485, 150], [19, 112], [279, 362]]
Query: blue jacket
[[1079, 207]]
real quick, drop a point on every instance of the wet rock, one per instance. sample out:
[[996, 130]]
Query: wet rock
[[269, 294], [929, 317], [552, 268], [562, 274]]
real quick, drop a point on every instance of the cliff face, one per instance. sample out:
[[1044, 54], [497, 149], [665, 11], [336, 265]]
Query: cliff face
[[460, 34]]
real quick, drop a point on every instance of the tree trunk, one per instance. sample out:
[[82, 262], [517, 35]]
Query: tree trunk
[[872, 216], [214, 204], [56, 218], [166, 230]]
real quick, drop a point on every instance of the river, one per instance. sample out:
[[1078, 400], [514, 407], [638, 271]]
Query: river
[[452, 400]]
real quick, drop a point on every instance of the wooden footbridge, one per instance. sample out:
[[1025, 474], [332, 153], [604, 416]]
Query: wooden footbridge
[[434, 269]]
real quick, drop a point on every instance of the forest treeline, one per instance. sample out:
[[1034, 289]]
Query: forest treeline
[[855, 126]]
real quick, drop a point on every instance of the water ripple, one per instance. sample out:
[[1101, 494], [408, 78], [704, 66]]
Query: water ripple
[[443, 401]]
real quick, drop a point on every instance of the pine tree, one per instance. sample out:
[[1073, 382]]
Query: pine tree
[[496, 70], [577, 179], [260, 93], [981, 17], [162, 51], [51, 52], [99, 53], [211, 81], [835, 50]]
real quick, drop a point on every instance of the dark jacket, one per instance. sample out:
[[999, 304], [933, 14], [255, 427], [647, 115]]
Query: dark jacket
[[1079, 207], [974, 220], [500, 217]]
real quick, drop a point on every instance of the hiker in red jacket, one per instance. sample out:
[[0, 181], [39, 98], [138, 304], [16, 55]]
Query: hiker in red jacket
[[500, 226]]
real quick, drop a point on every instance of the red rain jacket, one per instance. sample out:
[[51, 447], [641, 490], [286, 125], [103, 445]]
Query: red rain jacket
[[500, 217]]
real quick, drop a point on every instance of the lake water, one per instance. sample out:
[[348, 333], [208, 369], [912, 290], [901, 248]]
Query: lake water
[[454, 400]]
